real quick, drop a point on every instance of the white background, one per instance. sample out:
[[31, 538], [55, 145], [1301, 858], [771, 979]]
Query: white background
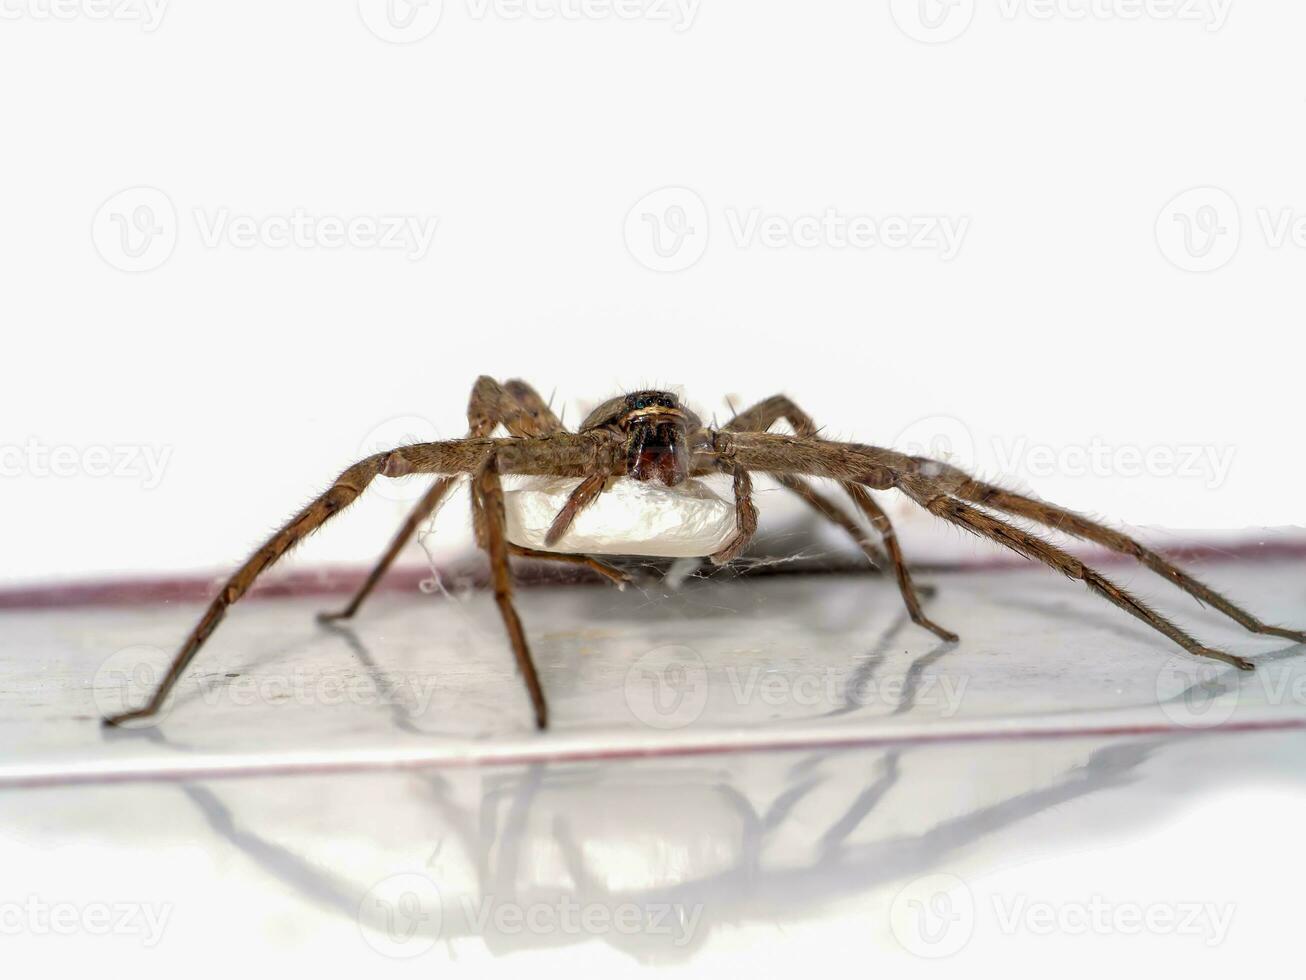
[[1068, 318]]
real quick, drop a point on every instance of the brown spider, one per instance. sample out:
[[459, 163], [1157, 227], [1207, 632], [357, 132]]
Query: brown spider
[[650, 436]]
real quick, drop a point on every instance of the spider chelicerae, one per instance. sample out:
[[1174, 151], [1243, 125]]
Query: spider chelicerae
[[651, 438]]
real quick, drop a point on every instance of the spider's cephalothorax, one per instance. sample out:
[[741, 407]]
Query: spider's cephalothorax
[[656, 428]]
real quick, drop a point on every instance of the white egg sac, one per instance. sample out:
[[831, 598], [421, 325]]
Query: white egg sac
[[629, 518]]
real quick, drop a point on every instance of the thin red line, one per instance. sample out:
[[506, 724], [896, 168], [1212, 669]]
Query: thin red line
[[344, 581]]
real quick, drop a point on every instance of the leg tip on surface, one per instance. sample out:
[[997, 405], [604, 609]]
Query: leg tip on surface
[[117, 721], [947, 636]]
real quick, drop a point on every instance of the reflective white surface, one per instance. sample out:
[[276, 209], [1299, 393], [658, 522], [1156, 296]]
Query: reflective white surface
[[742, 775]]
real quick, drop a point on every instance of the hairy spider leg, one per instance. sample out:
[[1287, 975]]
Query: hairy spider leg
[[1059, 519], [760, 418], [517, 407], [559, 453], [884, 468], [488, 490]]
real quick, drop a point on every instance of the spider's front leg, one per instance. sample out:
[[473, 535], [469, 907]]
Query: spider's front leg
[[745, 518], [587, 455], [559, 454], [760, 418], [442, 457], [487, 491]]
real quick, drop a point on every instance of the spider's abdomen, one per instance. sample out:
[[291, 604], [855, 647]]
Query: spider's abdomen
[[631, 517]]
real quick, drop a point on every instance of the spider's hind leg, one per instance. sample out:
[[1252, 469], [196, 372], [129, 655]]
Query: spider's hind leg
[[939, 503], [866, 503], [614, 575], [760, 418], [1059, 519]]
